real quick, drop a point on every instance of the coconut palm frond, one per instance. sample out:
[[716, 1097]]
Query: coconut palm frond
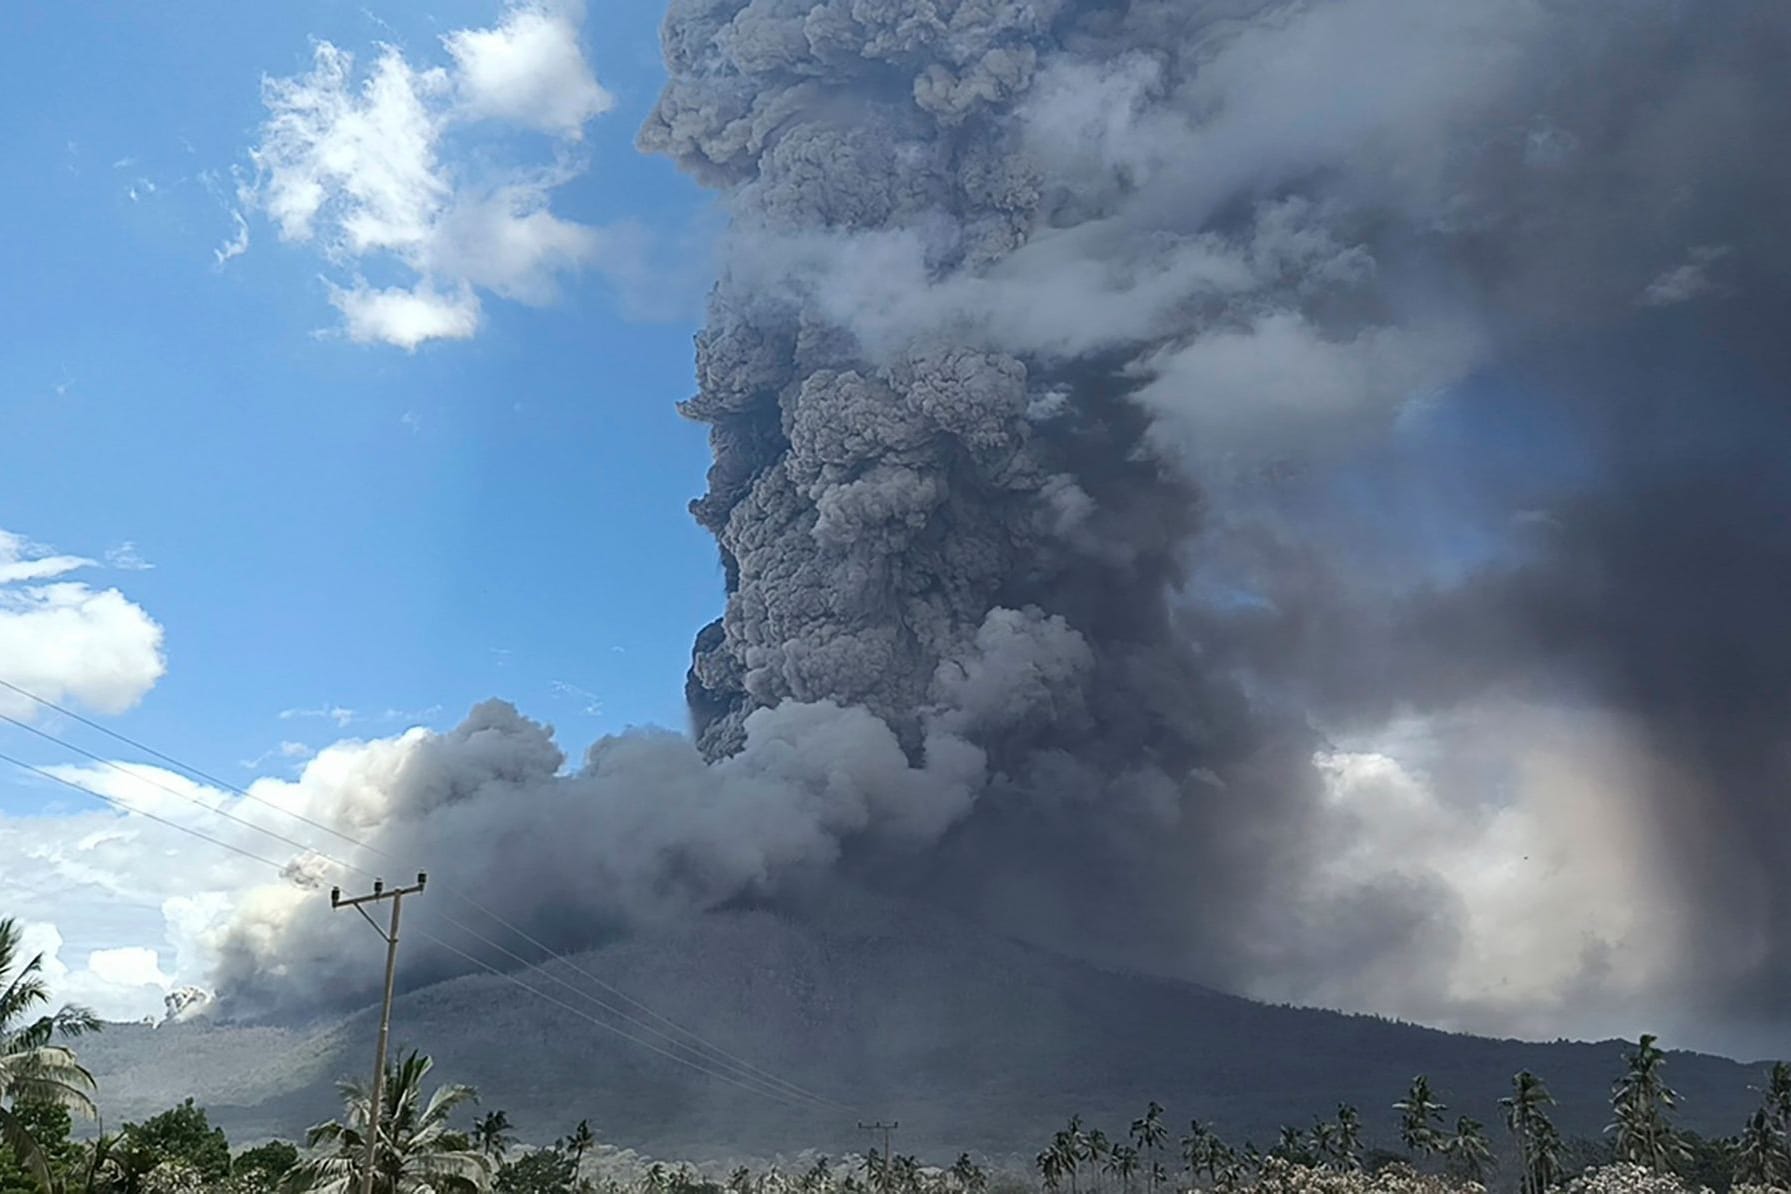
[[48, 1074], [24, 1149], [417, 1150], [322, 1175]]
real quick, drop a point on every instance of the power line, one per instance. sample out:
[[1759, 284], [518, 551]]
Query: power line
[[702, 1047], [630, 1000], [582, 1014], [710, 1053], [483, 965], [123, 807], [170, 760], [750, 1071], [178, 794], [777, 1086]]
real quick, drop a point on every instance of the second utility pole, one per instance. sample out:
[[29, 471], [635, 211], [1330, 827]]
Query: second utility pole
[[886, 1129], [396, 895]]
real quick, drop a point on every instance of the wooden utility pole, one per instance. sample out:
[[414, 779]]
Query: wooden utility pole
[[396, 895], [886, 1129]]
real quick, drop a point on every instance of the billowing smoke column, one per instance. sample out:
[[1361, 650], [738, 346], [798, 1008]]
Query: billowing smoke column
[[1289, 494], [1005, 273], [934, 488]]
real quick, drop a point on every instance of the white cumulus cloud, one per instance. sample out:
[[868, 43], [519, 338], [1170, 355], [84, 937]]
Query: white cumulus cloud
[[406, 318], [365, 166], [121, 906], [63, 639], [128, 966], [125, 983], [529, 70]]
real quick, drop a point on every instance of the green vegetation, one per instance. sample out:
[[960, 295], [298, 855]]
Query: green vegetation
[[1538, 1143], [265, 1166], [1419, 1116], [181, 1137], [48, 1125], [416, 1149], [1642, 1104], [35, 1071]]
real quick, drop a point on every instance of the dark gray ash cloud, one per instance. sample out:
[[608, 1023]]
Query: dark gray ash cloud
[[1132, 421]]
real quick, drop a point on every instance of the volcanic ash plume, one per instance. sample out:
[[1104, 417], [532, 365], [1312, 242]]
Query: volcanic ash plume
[[1007, 279], [1230, 480], [646, 830]]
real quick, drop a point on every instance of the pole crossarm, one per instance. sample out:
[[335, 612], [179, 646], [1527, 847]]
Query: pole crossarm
[[379, 892]]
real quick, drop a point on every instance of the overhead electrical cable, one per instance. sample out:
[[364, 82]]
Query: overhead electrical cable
[[582, 1014], [278, 868], [695, 1044], [140, 812], [153, 753]]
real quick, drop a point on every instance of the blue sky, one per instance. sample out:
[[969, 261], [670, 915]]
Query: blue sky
[[331, 524]]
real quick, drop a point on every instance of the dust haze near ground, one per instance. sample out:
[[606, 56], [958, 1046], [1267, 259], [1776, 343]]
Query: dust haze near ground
[[1288, 495]]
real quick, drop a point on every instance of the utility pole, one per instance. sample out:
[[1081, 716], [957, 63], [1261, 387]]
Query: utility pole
[[396, 895], [886, 1129]]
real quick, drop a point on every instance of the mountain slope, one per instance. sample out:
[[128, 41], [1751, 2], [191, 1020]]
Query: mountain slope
[[969, 1040]]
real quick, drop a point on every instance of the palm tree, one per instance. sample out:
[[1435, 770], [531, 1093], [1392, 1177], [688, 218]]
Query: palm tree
[[1777, 1105], [1050, 1166], [1469, 1150], [1290, 1146], [32, 1069], [1195, 1150], [970, 1177], [1071, 1143], [1778, 1095], [417, 1152], [817, 1177], [1349, 1137], [1538, 1144], [1419, 1113], [1230, 1171], [1122, 1162], [1095, 1150], [1548, 1152], [904, 1173], [1203, 1150], [1324, 1144], [876, 1171], [1759, 1153], [491, 1132], [1149, 1136], [580, 1142], [1641, 1103]]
